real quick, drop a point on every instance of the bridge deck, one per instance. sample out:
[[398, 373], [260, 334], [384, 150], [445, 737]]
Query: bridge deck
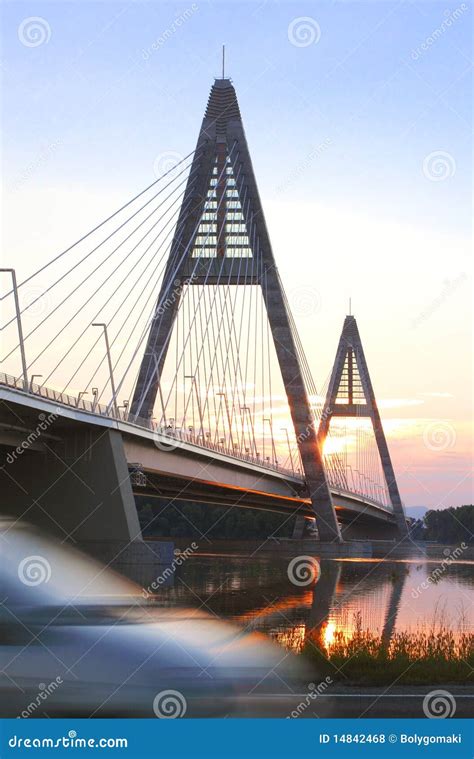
[[178, 465]]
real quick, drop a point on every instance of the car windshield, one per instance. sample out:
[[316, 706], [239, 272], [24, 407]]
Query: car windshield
[[38, 570]]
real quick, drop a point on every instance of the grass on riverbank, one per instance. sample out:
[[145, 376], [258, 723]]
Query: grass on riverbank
[[424, 657]]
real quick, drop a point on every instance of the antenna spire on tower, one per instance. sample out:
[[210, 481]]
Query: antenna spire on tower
[[223, 61]]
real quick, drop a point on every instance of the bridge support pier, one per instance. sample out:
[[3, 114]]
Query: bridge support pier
[[79, 489], [299, 528]]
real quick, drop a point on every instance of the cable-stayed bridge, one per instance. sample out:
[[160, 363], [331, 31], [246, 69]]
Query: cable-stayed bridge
[[158, 355]]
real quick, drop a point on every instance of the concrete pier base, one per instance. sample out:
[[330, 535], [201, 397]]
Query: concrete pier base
[[77, 488]]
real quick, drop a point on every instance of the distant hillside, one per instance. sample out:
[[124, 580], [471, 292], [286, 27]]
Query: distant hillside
[[416, 512]]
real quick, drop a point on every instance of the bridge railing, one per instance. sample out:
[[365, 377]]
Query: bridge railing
[[366, 497], [174, 434]]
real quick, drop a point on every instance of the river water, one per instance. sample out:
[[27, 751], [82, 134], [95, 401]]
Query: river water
[[378, 595]]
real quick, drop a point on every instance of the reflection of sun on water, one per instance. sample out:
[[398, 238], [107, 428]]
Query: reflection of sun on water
[[294, 638], [329, 634]]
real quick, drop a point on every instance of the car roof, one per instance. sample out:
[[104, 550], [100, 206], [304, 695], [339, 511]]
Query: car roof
[[40, 569]]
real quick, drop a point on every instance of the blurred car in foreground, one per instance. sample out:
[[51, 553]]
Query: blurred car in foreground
[[77, 639]]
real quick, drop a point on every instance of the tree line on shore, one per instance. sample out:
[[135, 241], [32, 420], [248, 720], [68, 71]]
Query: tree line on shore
[[187, 519], [453, 525]]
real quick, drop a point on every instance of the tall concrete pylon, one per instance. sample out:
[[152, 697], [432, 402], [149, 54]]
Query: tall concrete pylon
[[350, 394], [222, 156]]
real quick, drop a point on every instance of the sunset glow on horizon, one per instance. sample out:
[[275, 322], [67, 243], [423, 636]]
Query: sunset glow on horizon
[[346, 158]]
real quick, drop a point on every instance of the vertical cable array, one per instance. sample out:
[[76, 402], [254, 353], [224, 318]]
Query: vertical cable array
[[221, 384]]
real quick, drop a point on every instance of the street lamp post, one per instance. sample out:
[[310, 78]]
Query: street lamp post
[[229, 421], [247, 409], [95, 395], [32, 378], [192, 377], [267, 419], [20, 329], [80, 396], [124, 406], [109, 359], [285, 430]]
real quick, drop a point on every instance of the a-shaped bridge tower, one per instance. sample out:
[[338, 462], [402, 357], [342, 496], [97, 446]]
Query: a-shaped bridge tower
[[221, 225]]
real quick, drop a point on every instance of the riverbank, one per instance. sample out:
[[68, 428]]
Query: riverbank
[[431, 656], [360, 549]]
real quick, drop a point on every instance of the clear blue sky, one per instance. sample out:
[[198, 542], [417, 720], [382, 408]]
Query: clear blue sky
[[358, 86], [384, 85]]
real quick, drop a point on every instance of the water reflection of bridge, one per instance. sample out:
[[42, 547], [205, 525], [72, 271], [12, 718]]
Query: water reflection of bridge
[[258, 595]]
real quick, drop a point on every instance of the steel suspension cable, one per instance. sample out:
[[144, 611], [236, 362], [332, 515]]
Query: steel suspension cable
[[176, 268], [98, 226]]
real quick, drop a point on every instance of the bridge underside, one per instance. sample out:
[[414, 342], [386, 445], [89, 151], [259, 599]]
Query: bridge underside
[[358, 519], [72, 476]]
